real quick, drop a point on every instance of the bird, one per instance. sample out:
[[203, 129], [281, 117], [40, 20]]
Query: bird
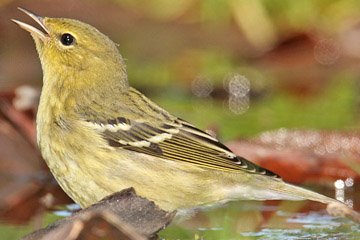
[[98, 135]]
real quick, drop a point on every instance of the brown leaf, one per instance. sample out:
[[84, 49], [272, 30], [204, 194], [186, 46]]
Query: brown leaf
[[23, 120], [312, 156]]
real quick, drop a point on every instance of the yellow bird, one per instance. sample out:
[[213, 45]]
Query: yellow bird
[[99, 135]]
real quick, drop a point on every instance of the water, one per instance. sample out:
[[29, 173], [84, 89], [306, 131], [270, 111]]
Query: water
[[267, 220], [244, 220]]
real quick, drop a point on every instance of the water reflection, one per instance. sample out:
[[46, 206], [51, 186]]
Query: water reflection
[[314, 225], [69, 209], [274, 219]]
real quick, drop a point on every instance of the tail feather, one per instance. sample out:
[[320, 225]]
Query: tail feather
[[260, 187], [282, 190], [287, 189]]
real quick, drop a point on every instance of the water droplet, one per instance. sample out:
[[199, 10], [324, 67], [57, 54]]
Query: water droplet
[[349, 182], [339, 184], [340, 194]]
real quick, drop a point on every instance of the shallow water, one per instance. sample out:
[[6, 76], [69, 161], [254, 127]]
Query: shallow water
[[268, 220], [313, 225]]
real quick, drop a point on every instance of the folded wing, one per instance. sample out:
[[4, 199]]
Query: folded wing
[[173, 139]]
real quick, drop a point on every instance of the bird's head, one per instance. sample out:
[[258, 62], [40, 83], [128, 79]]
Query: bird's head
[[71, 46]]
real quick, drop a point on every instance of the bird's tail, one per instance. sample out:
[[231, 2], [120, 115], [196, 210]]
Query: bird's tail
[[279, 189], [292, 192]]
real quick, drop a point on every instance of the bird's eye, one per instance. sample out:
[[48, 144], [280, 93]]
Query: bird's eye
[[67, 39]]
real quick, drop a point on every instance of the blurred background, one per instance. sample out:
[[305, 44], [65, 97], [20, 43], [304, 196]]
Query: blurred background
[[277, 80]]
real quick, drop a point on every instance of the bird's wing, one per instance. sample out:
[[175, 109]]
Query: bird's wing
[[167, 137]]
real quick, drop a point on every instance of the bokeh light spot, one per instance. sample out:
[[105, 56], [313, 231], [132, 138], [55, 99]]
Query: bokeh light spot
[[201, 87], [238, 88], [326, 51]]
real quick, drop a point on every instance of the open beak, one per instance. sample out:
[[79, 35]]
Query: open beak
[[34, 31]]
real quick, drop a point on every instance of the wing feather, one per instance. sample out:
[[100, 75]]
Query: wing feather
[[143, 127], [177, 141]]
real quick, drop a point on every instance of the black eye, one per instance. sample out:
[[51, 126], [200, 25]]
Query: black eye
[[67, 39]]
